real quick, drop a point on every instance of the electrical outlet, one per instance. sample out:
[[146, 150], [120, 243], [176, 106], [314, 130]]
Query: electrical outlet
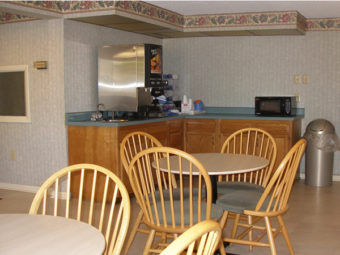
[[297, 78], [305, 79]]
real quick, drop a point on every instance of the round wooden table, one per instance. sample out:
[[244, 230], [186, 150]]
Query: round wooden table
[[219, 164], [41, 235], [223, 164]]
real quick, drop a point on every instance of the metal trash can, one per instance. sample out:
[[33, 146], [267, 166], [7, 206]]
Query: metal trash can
[[322, 142]]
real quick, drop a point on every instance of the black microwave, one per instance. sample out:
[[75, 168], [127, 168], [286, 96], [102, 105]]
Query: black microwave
[[275, 106]]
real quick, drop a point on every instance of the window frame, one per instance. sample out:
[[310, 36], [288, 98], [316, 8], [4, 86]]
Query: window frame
[[22, 118]]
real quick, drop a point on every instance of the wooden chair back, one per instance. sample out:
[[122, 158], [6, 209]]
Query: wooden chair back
[[111, 218], [200, 239], [135, 142], [251, 141], [157, 197], [275, 197]]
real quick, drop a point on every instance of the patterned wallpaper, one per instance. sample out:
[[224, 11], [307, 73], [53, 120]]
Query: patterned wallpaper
[[39, 146], [68, 85], [231, 71], [222, 71]]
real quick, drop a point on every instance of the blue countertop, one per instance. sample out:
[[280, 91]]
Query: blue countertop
[[242, 113]]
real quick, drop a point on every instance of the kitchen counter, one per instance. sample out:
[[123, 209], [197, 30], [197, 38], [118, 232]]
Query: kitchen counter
[[98, 142], [241, 113]]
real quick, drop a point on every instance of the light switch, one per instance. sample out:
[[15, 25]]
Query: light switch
[[40, 65]]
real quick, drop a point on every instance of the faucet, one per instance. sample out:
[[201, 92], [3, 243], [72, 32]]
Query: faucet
[[100, 107], [98, 115]]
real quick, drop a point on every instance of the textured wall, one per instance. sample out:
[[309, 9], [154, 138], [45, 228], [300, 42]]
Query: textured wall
[[81, 44], [231, 71], [39, 146], [71, 51], [222, 71]]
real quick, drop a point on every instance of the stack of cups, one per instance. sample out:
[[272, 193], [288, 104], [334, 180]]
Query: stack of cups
[[186, 105], [185, 100]]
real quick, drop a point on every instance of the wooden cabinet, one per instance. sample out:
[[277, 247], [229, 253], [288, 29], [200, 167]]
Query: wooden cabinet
[[285, 132], [200, 135], [157, 129], [93, 145], [100, 144], [176, 134]]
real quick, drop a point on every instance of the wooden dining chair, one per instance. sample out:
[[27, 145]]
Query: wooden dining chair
[[156, 198], [200, 239], [111, 218], [131, 145], [249, 141], [266, 205]]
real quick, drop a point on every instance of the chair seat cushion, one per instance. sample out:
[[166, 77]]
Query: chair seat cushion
[[239, 200], [177, 195], [216, 212], [228, 187]]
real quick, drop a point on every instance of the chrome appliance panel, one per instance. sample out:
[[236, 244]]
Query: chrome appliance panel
[[121, 70]]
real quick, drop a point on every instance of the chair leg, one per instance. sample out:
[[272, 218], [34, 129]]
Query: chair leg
[[149, 242], [133, 232], [223, 222], [223, 219], [250, 234], [270, 236], [221, 247], [285, 234], [236, 221]]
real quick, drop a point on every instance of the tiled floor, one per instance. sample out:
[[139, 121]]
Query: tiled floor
[[313, 221]]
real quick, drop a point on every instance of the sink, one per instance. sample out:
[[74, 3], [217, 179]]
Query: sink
[[114, 121], [105, 121]]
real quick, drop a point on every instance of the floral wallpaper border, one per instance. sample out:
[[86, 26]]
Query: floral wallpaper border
[[330, 24], [245, 19], [152, 12], [6, 17]]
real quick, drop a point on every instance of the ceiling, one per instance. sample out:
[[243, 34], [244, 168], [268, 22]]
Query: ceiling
[[309, 9]]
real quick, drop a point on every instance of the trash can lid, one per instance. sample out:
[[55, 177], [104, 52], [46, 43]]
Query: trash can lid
[[321, 126]]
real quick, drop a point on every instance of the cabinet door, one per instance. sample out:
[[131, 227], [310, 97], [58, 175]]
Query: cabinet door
[[229, 126], [282, 133], [93, 145], [156, 129], [200, 135], [176, 139], [285, 133]]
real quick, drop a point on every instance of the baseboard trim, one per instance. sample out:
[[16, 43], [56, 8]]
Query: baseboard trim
[[19, 187], [34, 189], [336, 178], [27, 188]]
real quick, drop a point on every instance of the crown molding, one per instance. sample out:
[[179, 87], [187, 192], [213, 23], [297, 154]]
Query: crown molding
[[188, 23]]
